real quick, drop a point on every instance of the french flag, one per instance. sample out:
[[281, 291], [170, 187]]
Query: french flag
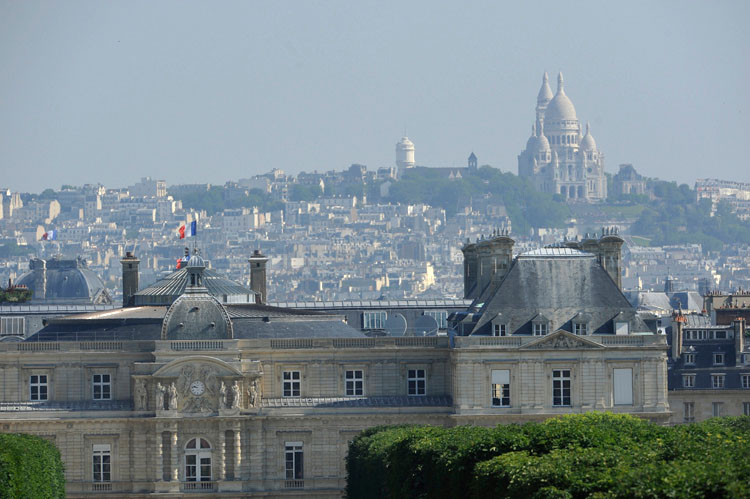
[[50, 235], [193, 230]]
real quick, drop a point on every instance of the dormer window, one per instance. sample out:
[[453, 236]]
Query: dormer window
[[540, 329], [622, 328], [689, 358], [499, 330], [580, 328]]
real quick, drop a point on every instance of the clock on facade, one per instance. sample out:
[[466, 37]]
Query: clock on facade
[[197, 388]]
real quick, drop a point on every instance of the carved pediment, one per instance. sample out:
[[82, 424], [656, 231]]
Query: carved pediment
[[561, 340]]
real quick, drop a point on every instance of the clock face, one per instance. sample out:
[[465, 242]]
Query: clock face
[[197, 388]]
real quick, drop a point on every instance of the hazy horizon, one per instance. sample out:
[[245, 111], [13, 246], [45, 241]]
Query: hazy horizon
[[192, 92]]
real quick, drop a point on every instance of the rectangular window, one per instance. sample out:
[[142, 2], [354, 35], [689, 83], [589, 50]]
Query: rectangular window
[[720, 335], [688, 380], [102, 465], [416, 382], [623, 386], [540, 329], [38, 389], [373, 320], [561, 387], [354, 381], [440, 316], [689, 358], [12, 326], [579, 329], [501, 388], [498, 330], [746, 408], [717, 381], [621, 328], [294, 461], [746, 381], [689, 412], [717, 409], [292, 384], [102, 386], [718, 359]]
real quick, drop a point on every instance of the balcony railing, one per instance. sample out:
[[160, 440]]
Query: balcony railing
[[294, 484], [198, 486]]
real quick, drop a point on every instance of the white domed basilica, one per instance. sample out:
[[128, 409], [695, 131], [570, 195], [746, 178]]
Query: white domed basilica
[[558, 157]]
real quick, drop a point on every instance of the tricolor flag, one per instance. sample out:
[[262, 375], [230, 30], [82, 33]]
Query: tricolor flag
[[50, 235], [182, 261], [193, 230]]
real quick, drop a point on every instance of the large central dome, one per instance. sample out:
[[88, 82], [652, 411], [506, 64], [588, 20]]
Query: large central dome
[[560, 107]]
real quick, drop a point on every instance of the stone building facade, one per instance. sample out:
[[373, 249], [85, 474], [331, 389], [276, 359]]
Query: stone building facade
[[558, 157], [206, 397]]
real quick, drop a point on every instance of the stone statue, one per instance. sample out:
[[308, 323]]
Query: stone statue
[[160, 390], [253, 393], [236, 395], [141, 395], [223, 395], [172, 397]]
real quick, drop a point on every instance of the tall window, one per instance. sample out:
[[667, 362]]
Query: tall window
[[689, 358], [416, 382], [373, 320], [688, 380], [746, 381], [12, 326], [718, 359], [292, 384], [38, 387], [579, 328], [293, 462], [746, 408], [561, 387], [355, 382], [501, 388], [540, 329], [717, 409], [102, 386], [198, 461], [440, 316], [623, 386], [688, 412], [717, 381], [499, 330], [102, 464]]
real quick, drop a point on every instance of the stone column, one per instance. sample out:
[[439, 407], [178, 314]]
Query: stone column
[[175, 458], [222, 468], [237, 454], [159, 457]]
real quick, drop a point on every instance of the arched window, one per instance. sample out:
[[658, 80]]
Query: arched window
[[198, 460]]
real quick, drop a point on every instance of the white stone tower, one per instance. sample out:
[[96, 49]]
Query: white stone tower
[[404, 154]]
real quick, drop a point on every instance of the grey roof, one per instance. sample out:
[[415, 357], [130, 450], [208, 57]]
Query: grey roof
[[68, 280], [167, 290], [558, 286], [376, 304], [293, 328]]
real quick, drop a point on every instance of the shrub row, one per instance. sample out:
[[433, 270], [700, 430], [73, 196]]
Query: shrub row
[[596, 455], [30, 467]]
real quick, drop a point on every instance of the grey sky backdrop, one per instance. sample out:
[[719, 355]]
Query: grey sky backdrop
[[212, 91]]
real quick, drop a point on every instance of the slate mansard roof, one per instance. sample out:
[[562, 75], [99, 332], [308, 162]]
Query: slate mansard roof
[[558, 286], [165, 291]]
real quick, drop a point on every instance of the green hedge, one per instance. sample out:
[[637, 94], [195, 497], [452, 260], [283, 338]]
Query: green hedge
[[598, 455], [30, 467]]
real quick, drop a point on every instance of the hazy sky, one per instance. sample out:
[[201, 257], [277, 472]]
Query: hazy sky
[[212, 91]]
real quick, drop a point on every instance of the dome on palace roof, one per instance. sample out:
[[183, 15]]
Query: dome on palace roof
[[165, 291]]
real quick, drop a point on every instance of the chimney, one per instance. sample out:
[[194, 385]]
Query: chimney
[[471, 269], [610, 254], [129, 279], [739, 337], [39, 271], [258, 276], [678, 327]]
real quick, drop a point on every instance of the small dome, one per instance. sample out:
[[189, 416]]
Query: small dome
[[542, 144], [405, 142], [196, 261], [532, 140], [588, 143], [196, 317]]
